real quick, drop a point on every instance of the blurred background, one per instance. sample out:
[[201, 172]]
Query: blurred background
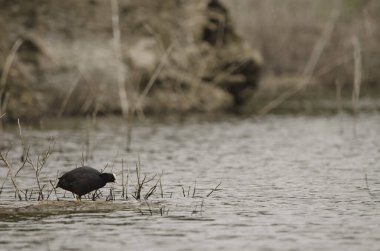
[[65, 58]]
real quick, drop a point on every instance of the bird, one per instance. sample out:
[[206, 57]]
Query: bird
[[83, 180]]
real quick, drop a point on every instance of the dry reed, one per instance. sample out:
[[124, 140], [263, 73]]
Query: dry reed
[[141, 182], [37, 167], [4, 94], [310, 66], [357, 78], [12, 177], [68, 95], [121, 71]]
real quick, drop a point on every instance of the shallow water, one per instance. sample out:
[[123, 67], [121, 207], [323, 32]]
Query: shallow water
[[287, 183]]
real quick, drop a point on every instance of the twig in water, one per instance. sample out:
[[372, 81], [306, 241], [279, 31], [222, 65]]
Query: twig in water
[[162, 210], [110, 196], [122, 179], [24, 148], [53, 185], [202, 206], [195, 184], [183, 191], [151, 190], [23, 163], [140, 186], [9, 174], [40, 163], [31, 193], [26, 194], [96, 195], [214, 189], [126, 184], [368, 190], [141, 182], [162, 192], [150, 211]]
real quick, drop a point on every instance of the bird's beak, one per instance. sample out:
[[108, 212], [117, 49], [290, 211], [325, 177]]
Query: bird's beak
[[114, 175]]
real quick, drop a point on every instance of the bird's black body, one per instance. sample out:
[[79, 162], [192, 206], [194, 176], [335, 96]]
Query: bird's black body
[[83, 180]]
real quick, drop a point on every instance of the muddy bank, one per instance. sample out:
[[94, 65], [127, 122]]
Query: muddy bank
[[177, 56], [43, 209]]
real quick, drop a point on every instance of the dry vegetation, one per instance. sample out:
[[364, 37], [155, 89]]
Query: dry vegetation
[[286, 32], [141, 187], [93, 57]]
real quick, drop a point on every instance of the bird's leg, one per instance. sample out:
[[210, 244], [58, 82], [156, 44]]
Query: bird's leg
[[78, 198]]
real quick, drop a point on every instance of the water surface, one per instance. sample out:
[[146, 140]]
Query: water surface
[[287, 183]]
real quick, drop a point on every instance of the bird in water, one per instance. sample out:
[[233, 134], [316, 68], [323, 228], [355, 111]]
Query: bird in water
[[83, 180]]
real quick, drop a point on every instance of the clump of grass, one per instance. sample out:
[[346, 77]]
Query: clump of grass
[[37, 167], [17, 190], [145, 185], [143, 181], [26, 194], [189, 193]]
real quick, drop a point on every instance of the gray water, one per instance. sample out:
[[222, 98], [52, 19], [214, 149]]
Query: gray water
[[287, 183]]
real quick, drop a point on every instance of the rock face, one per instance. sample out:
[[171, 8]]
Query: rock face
[[178, 56]]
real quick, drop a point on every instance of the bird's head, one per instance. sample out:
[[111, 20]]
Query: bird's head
[[108, 177]]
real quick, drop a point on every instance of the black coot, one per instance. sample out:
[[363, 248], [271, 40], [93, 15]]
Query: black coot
[[83, 180]]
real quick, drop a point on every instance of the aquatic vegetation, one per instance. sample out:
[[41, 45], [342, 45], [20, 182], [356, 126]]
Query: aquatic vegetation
[[37, 166], [136, 192]]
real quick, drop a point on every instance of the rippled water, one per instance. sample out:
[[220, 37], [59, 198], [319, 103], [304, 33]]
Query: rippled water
[[287, 183]]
